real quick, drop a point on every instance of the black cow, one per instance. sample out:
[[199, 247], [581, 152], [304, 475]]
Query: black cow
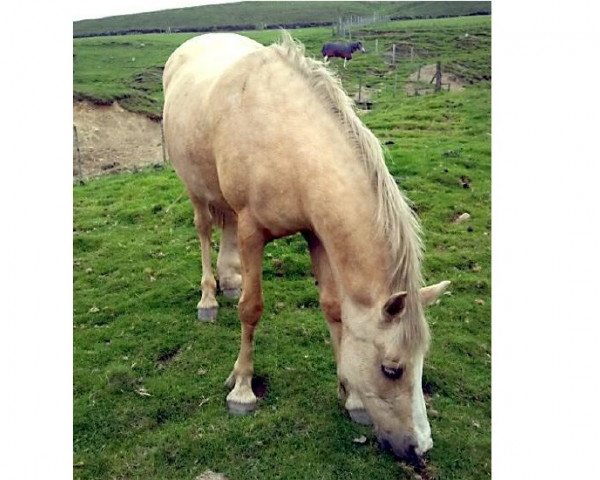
[[341, 50]]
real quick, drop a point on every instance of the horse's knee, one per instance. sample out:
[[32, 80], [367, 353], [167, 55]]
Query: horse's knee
[[250, 310]]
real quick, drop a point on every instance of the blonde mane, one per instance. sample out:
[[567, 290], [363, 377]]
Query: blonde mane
[[395, 220]]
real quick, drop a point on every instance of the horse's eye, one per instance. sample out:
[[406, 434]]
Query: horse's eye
[[392, 373]]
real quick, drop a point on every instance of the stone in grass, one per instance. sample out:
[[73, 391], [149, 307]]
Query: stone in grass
[[361, 439], [463, 217], [210, 475]]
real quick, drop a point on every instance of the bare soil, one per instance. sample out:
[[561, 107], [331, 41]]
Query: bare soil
[[112, 139], [421, 82]]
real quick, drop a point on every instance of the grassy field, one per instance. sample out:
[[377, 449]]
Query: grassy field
[[149, 400], [261, 13]]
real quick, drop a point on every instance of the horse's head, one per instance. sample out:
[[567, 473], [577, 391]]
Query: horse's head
[[377, 363], [358, 46]]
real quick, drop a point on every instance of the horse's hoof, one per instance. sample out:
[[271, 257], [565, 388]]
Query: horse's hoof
[[361, 416], [237, 408], [207, 314], [232, 292]]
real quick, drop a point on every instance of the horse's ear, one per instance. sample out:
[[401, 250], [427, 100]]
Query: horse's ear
[[430, 294], [395, 305]]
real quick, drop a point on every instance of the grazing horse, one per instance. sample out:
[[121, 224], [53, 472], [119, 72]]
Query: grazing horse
[[267, 144], [341, 50]]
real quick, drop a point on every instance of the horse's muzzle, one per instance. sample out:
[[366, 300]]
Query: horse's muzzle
[[407, 450]]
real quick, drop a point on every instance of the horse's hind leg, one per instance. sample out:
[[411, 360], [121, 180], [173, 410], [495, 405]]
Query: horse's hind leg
[[330, 304], [207, 307], [228, 261], [241, 399]]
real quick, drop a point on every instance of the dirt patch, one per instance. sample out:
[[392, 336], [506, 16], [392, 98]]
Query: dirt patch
[[112, 139], [419, 82]]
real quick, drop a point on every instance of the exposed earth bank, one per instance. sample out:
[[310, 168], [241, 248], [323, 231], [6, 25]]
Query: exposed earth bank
[[112, 139]]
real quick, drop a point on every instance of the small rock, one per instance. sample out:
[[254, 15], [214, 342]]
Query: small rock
[[88, 270], [94, 309], [361, 439], [210, 475], [201, 371], [463, 217], [143, 392], [479, 301]]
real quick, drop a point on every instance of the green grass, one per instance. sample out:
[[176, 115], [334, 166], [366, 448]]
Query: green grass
[[136, 275], [264, 13]]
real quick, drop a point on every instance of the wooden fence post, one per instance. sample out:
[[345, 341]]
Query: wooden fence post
[[394, 54], [376, 45], [419, 73], [76, 145], [412, 54], [162, 143], [438, 76]]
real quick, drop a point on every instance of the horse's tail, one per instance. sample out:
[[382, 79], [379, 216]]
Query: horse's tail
[[323, 50]]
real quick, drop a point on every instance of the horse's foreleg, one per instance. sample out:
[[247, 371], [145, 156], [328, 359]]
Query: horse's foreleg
[[228, 261], [344, 63], [241, 399], [207, 307], [331, 306]]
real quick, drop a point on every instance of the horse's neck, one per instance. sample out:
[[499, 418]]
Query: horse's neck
[[357, 254]]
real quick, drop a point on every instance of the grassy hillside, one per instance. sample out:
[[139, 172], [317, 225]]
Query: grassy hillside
[[129, 68], [149, 402], [262, 13]]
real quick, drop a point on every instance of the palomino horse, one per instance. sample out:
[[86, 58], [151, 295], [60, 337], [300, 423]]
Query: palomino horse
[[268, 144]]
